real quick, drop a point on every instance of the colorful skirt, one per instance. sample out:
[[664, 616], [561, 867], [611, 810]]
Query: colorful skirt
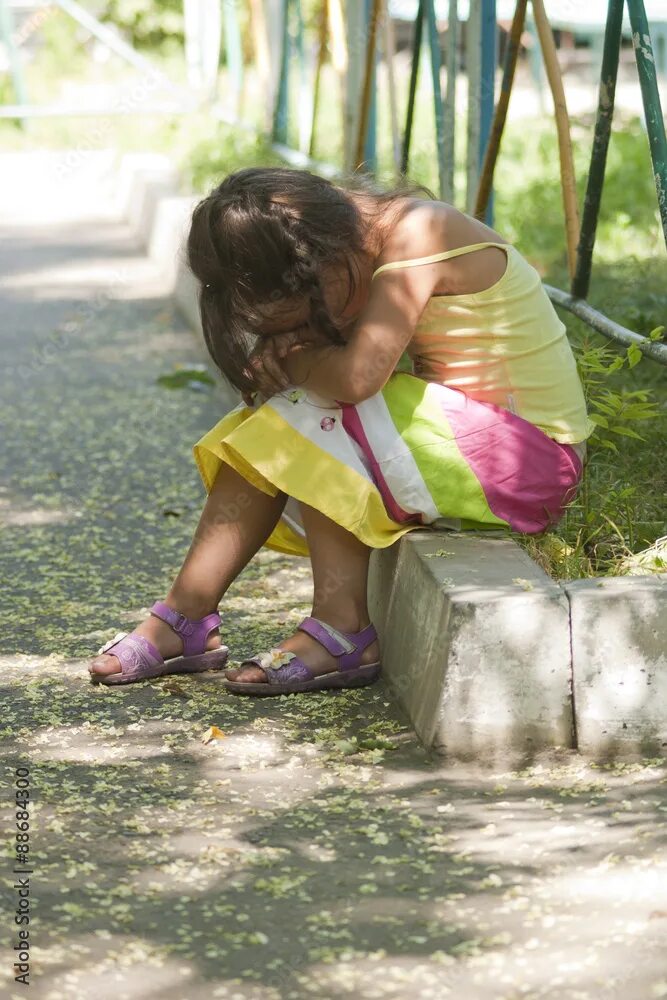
[[417, 454]]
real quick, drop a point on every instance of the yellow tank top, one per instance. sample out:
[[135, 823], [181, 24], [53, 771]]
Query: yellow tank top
[[503, 345]]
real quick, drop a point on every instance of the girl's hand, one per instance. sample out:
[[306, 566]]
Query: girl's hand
[[265, 361]]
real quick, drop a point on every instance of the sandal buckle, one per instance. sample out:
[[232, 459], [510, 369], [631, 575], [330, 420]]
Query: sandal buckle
[[182, 624]]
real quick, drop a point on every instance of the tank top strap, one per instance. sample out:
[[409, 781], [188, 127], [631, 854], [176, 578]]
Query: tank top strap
[[434, 257]]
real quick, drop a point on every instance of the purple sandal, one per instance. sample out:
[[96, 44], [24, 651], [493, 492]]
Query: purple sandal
[[139, 659], [287, 674]]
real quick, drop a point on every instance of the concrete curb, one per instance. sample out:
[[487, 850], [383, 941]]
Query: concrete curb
[[619, 664], [493, 660], [490, 658], [476, 644]]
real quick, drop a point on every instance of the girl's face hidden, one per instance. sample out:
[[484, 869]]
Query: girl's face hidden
[[286, 315]]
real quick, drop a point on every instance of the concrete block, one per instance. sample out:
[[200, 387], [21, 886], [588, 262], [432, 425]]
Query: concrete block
[[619, 659], [186, 294], [168, 235], [143, 180], [45, 186], [475, 645]]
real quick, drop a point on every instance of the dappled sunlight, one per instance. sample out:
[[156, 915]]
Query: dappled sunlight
[[639, 887], [132, 962], [99, 743], [387, 857], [11, 516]]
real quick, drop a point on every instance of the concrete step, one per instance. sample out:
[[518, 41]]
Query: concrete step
[[476, 644], [493, 660]]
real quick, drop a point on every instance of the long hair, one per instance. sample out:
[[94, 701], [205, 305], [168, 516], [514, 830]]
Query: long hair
[[267, 233]]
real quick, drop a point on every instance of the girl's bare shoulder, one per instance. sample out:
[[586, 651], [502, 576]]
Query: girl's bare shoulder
[[426, 227]]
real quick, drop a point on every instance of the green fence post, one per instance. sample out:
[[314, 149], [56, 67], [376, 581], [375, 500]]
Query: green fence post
[[434, 45], [280, 115], [605, 114], [414, 72], [641, 41]]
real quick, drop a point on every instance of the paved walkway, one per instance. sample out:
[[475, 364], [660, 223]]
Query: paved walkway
[[316, 850]]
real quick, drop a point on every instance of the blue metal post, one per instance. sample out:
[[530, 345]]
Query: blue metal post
[[488, 83], [370, 141]]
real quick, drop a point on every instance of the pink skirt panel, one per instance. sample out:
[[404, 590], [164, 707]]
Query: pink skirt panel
[[527, 477]]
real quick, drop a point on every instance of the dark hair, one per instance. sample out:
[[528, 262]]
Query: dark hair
[[266, 233]]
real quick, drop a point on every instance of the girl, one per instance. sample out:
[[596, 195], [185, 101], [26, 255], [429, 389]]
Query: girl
[[310, 295]]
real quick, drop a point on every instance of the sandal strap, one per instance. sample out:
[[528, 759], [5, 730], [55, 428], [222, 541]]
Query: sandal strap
[[347, 647], [136, 655], [295, 670], [334, 641], [193, 633]]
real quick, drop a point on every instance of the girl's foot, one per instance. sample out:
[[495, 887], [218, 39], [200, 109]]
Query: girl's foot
[[168, 643], [311, 652]]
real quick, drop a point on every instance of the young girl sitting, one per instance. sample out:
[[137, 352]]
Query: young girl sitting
[[310, 295]]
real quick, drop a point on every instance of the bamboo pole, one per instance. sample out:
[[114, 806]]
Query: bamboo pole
[[389, 40], [338, 47], [568, 185], [260, 39], [356, 34], [234, 54], [339, 53], [366, 94], [500, 116], [304, 109], [321, 52]]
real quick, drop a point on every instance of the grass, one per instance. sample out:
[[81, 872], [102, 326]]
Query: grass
[[620, 509]]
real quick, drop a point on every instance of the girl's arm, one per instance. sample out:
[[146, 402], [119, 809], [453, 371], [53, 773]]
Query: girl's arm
[[360, 368]]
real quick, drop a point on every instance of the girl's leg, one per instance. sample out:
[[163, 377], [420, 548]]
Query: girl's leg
[[340, 578], [236, 521]]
